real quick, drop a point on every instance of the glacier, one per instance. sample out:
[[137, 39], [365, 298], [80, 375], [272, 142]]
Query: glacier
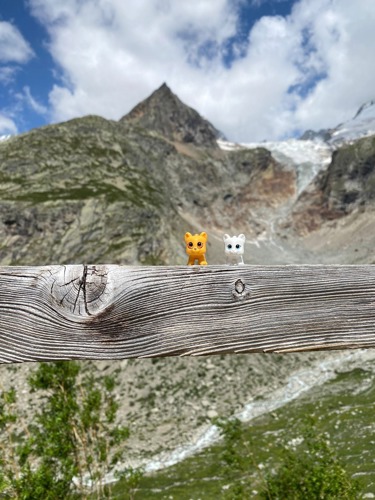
[[306, 157], [310, 156]]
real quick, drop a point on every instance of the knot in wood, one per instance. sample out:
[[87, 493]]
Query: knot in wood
[[239, 286], [82, 290], [239, 291]]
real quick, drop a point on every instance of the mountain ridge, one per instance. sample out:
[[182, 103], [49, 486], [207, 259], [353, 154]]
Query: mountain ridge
[[362, 124], [164, 185]]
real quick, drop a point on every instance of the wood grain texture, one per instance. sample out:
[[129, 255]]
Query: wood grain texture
[[115, 312]]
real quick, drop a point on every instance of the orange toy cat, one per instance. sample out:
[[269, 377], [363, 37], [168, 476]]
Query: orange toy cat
[[196, 248]]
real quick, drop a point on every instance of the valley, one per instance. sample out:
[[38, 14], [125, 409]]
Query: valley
[[95, 191]]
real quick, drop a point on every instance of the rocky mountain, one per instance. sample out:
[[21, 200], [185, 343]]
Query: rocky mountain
[[361, 125], [164, 113], [95, 190], [92, 190], [347, 185]]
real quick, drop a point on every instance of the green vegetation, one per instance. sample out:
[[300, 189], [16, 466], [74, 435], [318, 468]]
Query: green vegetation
[[71, 443], [236, 460], [312, 472], [313, 447], [307, 472]]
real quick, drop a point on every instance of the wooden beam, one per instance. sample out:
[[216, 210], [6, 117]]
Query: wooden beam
[[115, 312]]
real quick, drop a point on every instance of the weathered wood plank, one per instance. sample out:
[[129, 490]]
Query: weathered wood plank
[[114, 312]]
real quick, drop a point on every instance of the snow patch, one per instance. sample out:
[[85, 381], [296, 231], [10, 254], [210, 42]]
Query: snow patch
[[362, 125]]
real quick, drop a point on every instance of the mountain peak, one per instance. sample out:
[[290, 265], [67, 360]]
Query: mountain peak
[[364, 106], [163, 89], [361, 125], [165, 113]]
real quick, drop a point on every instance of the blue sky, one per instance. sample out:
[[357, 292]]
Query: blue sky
[[257, 69], [36, 73]]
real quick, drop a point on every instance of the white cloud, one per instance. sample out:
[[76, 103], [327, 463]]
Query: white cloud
[[7, 125], [14, 50], [13, 47], [114, 54], [311, 69], [26, 98], [7, 74], [345, 39]]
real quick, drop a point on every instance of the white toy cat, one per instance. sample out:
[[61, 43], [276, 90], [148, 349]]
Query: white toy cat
[[234, 248]]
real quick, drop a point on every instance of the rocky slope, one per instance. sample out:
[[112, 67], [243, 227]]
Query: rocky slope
[[164, 113], [347, 185], [94, 190], [97, 191]]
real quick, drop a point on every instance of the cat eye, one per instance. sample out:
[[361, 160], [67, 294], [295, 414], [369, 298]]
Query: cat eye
[[199, 244], [190, 244], [238, 246], [229, 246]]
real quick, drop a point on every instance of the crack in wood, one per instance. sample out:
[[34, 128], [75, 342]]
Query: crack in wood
[[82, 286]]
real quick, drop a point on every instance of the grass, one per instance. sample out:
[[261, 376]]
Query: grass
[[342, 409], [137, 193]]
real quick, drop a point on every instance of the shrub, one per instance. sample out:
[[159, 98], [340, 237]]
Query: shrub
[[70, 444], [312, 471]]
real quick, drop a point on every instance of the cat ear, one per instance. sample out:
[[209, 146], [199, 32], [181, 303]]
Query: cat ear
[[187, 236], [226, 237], [203, 235], [242, 237]]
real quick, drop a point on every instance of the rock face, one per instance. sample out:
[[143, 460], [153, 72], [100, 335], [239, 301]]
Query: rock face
[[350, 180], [77, 192], [348, 184], [324, 135], [164, 113]]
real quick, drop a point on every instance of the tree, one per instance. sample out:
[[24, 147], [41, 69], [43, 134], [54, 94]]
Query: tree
[[70, 444]]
